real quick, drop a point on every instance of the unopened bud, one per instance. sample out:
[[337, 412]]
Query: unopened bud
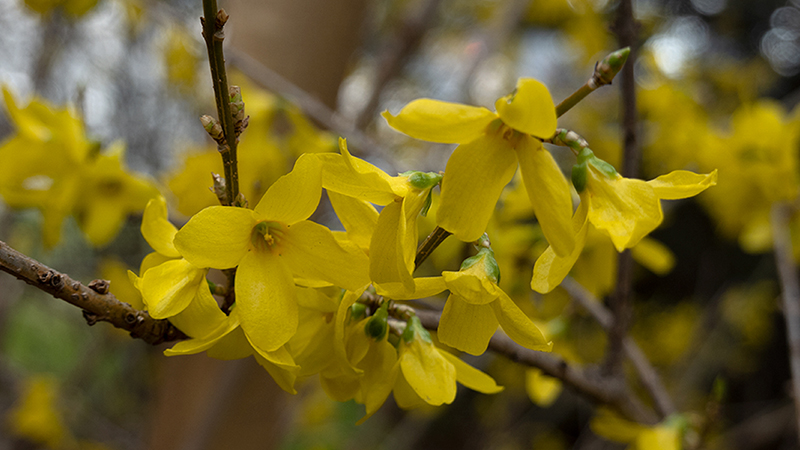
[[609, 67], [378, 324], [213, 128]]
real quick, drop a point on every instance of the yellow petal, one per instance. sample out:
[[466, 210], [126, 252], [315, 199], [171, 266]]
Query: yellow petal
[[472, 377], [551, 269], [295, 196], [625, 209], [359, 217], [216, 237], [682, 184], [192, 346], [431, 376], [438, 121], [542, 389], [423, 287], [529, 109], [283, 378], [659, 438], [475, 175], [465, 326], [168, 289], [519, 327], [266, 300], [405, 396], [342, 316], [472, 285], [202, 316], [389, 263], [611, 426], [233, 345], [549, 193], [654, 255], [380, 373], [157, 230], [354, 177], [311, 251], [340, 388]]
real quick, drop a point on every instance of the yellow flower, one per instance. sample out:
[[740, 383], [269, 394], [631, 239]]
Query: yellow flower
[[393, 237], [760, 162], [491, 146], [108, 194], [58, 171], [477, 305], [36, 416], [429, 374], [270, 245], [228, 341], [622, 208]]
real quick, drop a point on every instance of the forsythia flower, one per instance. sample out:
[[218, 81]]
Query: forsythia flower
[[429, 375], [491, 147], [58, 171], [270, 245], [393, 238], [624, 209], [477, 305]]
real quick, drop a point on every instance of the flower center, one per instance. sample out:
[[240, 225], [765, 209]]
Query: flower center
[[267, 235]]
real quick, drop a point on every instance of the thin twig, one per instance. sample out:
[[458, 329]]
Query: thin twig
[[437, 236], [98, 305], [213, 23], [790, 294], [646, 372], [604, 73], [310, 105], [598, 389]]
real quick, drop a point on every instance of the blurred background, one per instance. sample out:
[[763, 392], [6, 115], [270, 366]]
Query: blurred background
[[717, 83]]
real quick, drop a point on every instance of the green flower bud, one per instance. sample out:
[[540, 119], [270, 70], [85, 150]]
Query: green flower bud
[[378, 324], [358, 311]]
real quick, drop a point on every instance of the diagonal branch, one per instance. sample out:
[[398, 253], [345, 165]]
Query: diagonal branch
[[98, 305], [599, 389], [646, 372]]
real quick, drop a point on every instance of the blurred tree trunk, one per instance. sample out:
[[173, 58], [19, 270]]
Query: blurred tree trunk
[[202, 403]]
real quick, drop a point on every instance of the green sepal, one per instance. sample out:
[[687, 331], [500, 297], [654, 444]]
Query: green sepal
[[491, 266], [427, 206], [489, 263], [414, 327], [378, 324], [585, 154], [579, 176], [422, 180], [604, 167], [211, 285]]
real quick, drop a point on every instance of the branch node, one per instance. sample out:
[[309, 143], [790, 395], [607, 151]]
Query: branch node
[[99, 286], [75, 286], [91, 318]]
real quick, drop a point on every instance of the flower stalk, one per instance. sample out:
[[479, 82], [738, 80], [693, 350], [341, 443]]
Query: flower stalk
[[604, 73]]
